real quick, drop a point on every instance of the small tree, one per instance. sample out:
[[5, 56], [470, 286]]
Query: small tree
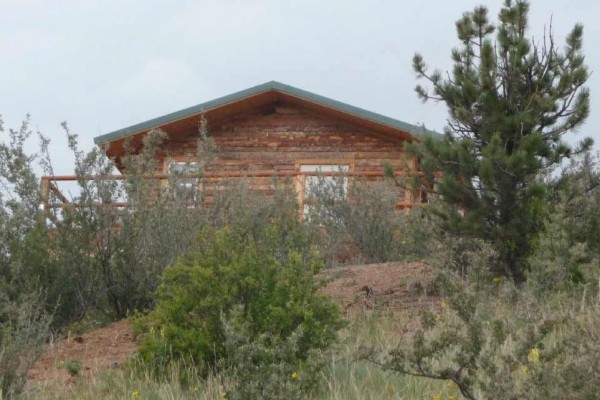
[[510, 100]]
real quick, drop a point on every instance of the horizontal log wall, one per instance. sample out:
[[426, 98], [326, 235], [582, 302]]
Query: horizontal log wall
[[275, 141]]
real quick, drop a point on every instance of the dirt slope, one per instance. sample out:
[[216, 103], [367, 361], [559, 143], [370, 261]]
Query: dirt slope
[[103, 348], [395, 286]]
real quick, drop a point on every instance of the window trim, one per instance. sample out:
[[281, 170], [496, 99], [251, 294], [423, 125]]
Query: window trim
[[300, 178]]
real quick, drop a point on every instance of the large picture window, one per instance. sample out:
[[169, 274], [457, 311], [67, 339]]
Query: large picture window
[[321, 181]]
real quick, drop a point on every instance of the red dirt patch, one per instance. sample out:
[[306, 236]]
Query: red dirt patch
[[394, 286], [103, 348]]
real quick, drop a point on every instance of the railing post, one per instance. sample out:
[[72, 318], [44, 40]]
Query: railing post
[[44, 199], [44, 190]]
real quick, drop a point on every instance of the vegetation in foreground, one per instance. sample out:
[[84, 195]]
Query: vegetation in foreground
[[341, 375]]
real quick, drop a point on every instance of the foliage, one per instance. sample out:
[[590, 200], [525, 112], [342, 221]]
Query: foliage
[[490, 338], [232, 267], [534, 340], [510, 101], [24, 329], [566, 251], [18, 207], [266, 366], [73, 367], [24, 323], [98, 257], [116, 253], [113, 247], [354, 224], [363, 225], [576, 195]]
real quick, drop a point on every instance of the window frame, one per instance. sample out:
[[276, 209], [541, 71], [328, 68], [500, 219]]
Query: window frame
[[195, 181], [300, 178]]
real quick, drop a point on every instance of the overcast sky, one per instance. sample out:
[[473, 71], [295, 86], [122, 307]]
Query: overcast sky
[[107, 64]]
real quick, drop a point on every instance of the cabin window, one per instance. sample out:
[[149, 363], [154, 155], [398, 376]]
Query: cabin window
[[322, 181], [185, 187]]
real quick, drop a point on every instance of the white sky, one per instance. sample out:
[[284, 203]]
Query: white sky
[[103, 65]]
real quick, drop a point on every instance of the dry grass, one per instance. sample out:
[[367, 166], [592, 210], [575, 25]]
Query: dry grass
[[344, 378]]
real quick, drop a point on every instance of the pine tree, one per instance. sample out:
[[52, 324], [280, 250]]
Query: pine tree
[[510, 100]]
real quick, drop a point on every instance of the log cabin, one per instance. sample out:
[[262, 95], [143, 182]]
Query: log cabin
[[275, 129]]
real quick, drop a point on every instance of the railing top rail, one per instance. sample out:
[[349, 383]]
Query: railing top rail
[[225, 174]]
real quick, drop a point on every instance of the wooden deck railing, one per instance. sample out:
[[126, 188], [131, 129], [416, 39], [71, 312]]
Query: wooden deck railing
[[53, 198]]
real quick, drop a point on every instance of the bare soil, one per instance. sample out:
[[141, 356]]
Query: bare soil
[[393, 286], [100, 349]]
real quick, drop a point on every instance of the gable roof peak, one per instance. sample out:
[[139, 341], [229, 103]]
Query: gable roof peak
[[290, 91]]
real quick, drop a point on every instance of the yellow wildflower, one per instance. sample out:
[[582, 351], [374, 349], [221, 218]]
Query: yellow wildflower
[[438, 317], [498, 280], [136, 394], [294, 375], [534, 356], [443, 304], [437, 397]]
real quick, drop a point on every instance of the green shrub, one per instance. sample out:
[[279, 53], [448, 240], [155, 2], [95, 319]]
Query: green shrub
[[277, 296], [267, 367], [489, 336], [24, 329], [73, 367]]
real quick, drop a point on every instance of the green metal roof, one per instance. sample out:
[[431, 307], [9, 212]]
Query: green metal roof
[[265, 87]]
